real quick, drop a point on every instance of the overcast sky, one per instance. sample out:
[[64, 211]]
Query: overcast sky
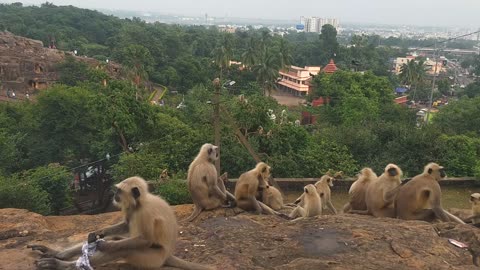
[[418, 12]]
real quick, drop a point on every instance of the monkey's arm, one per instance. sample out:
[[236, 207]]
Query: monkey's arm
[[299, 199], [214, 190], [389, 196], [470, 218], [120, 228], [138, 242]]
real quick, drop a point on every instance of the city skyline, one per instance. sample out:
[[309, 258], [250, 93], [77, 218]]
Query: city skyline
[[462, 13]]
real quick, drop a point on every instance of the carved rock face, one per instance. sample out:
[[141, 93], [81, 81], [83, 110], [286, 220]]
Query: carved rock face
[[26, 65]]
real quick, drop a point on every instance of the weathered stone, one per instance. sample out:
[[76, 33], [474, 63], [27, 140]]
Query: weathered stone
[[232, 240], [27, 67]]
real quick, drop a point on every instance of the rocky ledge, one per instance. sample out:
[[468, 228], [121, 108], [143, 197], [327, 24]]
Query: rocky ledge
[[230, 239]]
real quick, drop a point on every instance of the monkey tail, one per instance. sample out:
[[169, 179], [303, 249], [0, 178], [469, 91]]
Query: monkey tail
[[182, 264], [196, 211], [454, 218]]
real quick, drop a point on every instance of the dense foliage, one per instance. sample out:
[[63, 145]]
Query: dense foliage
[[80, 120]]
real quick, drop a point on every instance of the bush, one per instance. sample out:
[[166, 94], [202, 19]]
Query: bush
[[23, 195], [146, 165], [457, 154], [54, 180], [174, 192]]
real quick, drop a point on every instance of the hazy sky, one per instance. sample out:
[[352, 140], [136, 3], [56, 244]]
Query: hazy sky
[[419, 12]]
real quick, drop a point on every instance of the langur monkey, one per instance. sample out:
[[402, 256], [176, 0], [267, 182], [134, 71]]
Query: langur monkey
[[379, 197], [251, 184], [323, 189], [152, 234], [206, 188], [358, 189], [273, 198], [312, 204], [475, 201], [421, 197]]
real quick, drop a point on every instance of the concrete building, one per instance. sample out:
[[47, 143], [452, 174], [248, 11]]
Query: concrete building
[[296, 80], [315, 24], [429, 64]]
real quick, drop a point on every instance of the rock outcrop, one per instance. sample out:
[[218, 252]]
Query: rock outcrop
[[27, 66], [231, 239]]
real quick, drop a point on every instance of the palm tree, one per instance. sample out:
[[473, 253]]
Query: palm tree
[[250, 56], [285, 55], [223, 54], [413, 73], [267, 71]]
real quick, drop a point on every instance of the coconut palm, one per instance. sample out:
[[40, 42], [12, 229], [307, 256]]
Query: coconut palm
[[267, 71], [413, 73], [223, 54], [285, 54], [250, 56]]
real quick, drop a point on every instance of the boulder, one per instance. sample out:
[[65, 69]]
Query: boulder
[[233, 239]]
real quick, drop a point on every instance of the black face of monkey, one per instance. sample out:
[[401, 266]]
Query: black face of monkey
[[442, 172], [116, 195], [392, 172]]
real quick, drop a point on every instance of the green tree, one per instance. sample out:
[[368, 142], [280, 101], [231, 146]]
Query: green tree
[[250, 56], [458, 154], [413, 73], [285, 54], [72, 71], [267, 71], [139, 60], [459, 117], [328, 43], [223, 54]]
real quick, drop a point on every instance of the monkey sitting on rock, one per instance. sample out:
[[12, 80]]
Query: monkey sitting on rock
[[206, 188], [323, 189], [249, 190], [312, 204], [358, 190], [421, 197], [475, 217], [151, 229]]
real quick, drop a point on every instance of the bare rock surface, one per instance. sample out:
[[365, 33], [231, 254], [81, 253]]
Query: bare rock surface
[[232, 239]]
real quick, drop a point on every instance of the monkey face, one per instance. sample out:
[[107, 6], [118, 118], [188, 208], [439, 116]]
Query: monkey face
[[330, 181], [442, 172], [435, 170], [266, 171], [126, 196], [213, 152], [392, 171], [475, 198]]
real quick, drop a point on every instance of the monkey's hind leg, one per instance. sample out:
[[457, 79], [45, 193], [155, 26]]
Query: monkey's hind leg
[[297, 212], [346, 208], [182, 264], [331, 207]]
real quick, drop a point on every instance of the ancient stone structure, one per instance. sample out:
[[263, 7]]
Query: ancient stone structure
[[26, 66]]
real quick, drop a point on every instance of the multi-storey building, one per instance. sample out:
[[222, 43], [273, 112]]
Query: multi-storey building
[[315, 24]]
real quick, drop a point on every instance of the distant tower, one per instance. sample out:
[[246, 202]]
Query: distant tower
[[206, 18]]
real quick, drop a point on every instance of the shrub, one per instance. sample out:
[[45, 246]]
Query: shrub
[[174, 192], [457, 154], [15, 193], [54, 180]]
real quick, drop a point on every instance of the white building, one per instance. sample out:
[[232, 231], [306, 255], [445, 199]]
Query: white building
[[315, 24]]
